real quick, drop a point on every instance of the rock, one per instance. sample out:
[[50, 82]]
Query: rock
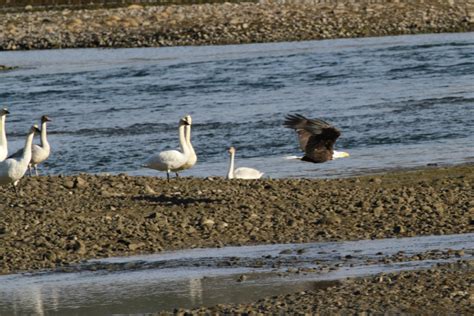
[[331, 219], [135, 246], [80, 183], [78, 246], [135, 7], [149, 190], [3, 67], [399, 229], [207, 223], [242, 278], [376, 180], [69, 184]]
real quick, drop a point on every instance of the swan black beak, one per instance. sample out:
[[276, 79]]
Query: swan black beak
[[6, 111], [185, 121], [45, 118]]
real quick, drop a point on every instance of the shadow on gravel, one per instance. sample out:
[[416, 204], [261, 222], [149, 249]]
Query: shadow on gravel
[[167, 200]]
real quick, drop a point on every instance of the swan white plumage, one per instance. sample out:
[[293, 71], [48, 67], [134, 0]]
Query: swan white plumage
[[13, 169], [3, 135], [242, 172], [171, 160], [192, 154], [39, 153]]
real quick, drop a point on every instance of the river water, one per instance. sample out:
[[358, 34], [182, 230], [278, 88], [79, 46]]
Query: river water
[[401, 102]]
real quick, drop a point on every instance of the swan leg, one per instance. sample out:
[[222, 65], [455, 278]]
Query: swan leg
[[177, 175], [36, 170], [15, 187], [168, 176], [29, 170]]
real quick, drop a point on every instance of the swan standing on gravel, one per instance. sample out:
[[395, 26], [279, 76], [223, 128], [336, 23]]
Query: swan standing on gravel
[[192, 154], [3, 135], [13, 169], [39, 153], [242, 172], [171, 160]]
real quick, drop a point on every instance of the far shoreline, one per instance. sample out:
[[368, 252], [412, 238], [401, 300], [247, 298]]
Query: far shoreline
[[228, 23]]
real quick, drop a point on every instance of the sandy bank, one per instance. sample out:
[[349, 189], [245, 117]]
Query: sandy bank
[[59, 220], [229, 23]]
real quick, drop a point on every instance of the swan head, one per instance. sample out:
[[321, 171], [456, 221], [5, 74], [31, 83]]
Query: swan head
[[4, 111], [231, 150], [184, 122], [189, 119], [34, 129], [45, 118]]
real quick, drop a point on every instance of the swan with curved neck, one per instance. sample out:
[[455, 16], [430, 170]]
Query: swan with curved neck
[[3, 135], [13, 169], [171, 160], [39, 153], [192, 154], [242, 172]]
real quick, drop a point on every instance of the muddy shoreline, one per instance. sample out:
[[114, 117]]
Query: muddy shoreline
[[445, 289], [60, 220], [228, 23]]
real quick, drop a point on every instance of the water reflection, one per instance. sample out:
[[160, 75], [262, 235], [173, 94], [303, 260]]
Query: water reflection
[[195, 291]]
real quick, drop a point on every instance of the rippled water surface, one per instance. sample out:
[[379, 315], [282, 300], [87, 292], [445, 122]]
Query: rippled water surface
[[400, 102]]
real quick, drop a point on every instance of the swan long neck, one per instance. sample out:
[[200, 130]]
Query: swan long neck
[[27, 149], [44, 138], [188, 140], [3, 134], [230, 173], [182, 140]]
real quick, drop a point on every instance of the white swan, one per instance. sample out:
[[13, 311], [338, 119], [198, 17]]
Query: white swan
[[242, 172], [39, 153], [13, 169], [3, 135], [171, 160], [192, 154]]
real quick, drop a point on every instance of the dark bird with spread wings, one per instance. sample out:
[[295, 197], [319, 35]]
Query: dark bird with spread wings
[[316, 138]]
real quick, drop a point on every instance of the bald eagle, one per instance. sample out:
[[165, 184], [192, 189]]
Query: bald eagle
[[316, 138]]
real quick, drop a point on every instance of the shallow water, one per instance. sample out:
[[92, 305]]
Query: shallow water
[[141, 284], [401, 102]]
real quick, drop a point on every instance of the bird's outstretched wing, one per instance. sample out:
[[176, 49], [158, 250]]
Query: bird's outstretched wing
[[316, 137]]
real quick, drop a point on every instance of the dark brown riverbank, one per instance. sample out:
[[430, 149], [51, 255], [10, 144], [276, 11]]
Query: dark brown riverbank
[[443, 290], [61, 220], [227, 23]]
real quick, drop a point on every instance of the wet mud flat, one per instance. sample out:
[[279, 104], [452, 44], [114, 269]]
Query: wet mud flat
[[57, 221], [184, 279], [444, 289]]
